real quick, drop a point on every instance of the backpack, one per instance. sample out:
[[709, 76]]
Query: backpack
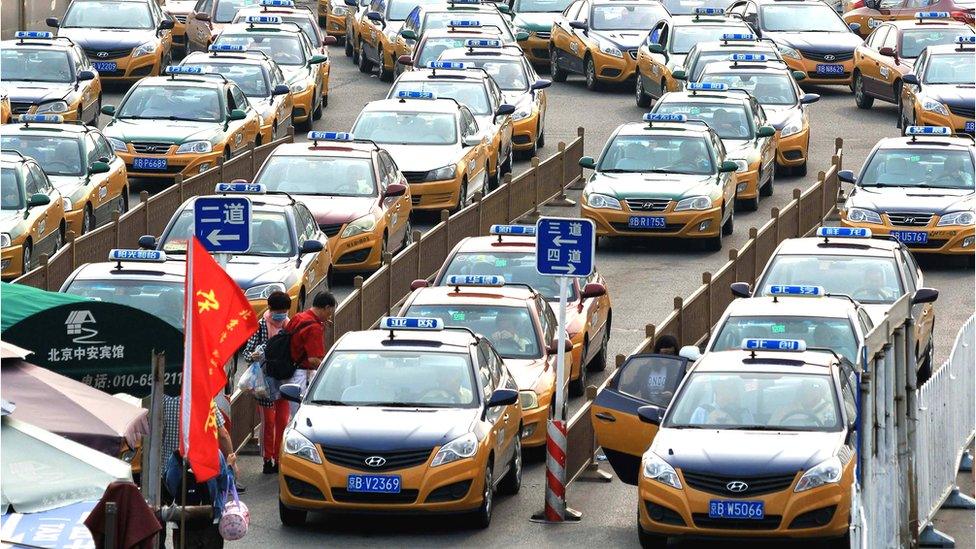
[[278, 362]]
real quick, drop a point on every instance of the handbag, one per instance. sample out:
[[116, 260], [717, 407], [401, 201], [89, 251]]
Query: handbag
[[236, 518]]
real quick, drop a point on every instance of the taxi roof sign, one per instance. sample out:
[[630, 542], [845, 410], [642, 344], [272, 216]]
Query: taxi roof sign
[[411, 323], [475, 280], [214, 48], [277, 4], [35, 35], [843, 232], [179, 69], [240, 188], [737, 57], [41, 118], [464, 23], [521, 230], [263, 20], [330, 136], [465, 1], [785, 345], [971, 39], [708, 86], [738, 36], [795, 290], [447, 65], [709, 11], [145, 256], [652, 117], [915, 131], [482, 43], [932, 15], [413, 94]]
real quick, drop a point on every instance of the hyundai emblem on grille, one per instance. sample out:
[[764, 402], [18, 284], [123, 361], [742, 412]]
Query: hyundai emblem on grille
[[102, 54], [829, 57], [375, 461], [736, 486]]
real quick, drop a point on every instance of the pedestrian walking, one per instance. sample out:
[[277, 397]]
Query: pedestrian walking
[[308, 339]]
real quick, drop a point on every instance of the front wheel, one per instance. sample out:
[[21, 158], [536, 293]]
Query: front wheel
[[482, 517], [643, 100], [512, 482], [365, 65], [599, 362], [557, 74], [87, 220], [291, 517], [801, 170], [386, 75], [592, 83], [578, 386], [729, 224], [463, 193], [348, 45], [650, 541], [863, 100]]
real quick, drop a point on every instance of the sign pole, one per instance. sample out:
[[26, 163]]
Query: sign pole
[[556, 428], [152, 458]]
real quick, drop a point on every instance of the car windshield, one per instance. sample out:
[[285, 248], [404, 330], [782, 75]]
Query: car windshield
[[493, 21], [865, 278], [687, 7], [227, 9], [626, 16], [913, 41], [752, 400], [696, 67], [306, 24], [835, 334], [399, 9], [432, 48], [407, 128], [812, 17], [510, 329], [250, 78], [196, 104], [540, 6], [271, 234], [395, 379], [56, 155], [470, 93], [729, 120], [686, 36], [932, 168], [951, 68], [285, 48], [318, 175], [11, 193], [29, 65], [774, 88], [160, 299], [658, 153], [509, 74], [515, 267], [108, 15]]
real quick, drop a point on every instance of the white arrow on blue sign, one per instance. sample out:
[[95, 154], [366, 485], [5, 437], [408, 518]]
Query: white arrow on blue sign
[[565, 246], [223, 224]]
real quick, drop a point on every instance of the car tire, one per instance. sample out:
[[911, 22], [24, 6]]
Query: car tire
[[512, 483], [589, 71], [541, 140], [861, 98], [317, 113], [355, 53], [578, 386], [643, 100], [767, 189], [650, 541], [365, 65], [88, 220], [558, 74], [599, 362], [482, 517], [407, 235], [291, 517], [747, 204], [509, 165], [462, 195], [98, 111], [801, 170], [713, 243], [729, 224], [347, 49], [26, 256], [385, 75]]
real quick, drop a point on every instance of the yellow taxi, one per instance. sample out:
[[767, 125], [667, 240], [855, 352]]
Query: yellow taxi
[[534, 18], [179, 10], [78, 161], [703, 53], [412, 417], [434, 42], [286, 10], [5, 113], [941, 90], [181, 123], [509, 252], [599, 39], [668, 177], [870, 13], [889, 53], [661, 56], [47, 75], [332, 17], [918, 190], [355, 12], [305, 66], [519, 324], [379, 27], [354, 190], [124, 39], [288, 252], [436, 143], [259, 77], [208, 18], [33, 214]]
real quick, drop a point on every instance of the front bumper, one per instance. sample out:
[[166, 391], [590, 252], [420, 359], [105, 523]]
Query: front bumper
[[183, 164], [435, 195], [534, 422], [614, 69], [954, 121], [684, 224], [357, 253], [12, 261], [302, 105], [536, 48], [525, 132], [70, 115], [133, 68], [792, 151], [809, 67], [940, 240], [747, 184], [74, 218], [179, 30]]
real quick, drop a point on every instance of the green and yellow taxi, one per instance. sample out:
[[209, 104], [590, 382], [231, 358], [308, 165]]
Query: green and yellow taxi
[[941, 90], [509, 252], [535, 19], [306, 69], [208, 18], [78, 161], [379, 27], [32, 221], [784, 103], [436, 143], [703, 53], [520, 84], [740, 121], [180, 11], [181, 124], [124, 39], [599, 39], [47, 75], [519, 324], [661, 55], [414, 417], [286, 10], [668, 177], [261, 80], [434, 42], [355, 192]]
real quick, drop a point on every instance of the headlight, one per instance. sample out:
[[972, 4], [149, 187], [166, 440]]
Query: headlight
[[611, 50], [518, 30], [262, 291], [792, 126], [297, 445], [364, 224], [447, 172], [743, 166], [391, 35], [596, 200], [860, 215], [957, 218], [117, 144], [54, 106], [657, 469], [935, 106], [522, 113], [787, 51], [298, 87], [528, 400], [464, 446], [694, 203], [339, 10], [197, 147], [4, 240], [145, 49], [827, 472]]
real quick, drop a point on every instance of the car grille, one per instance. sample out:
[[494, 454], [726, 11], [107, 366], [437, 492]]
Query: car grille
[[102, 55], [331, 229], [715, 484], [633, 54], [415, 177], [20, 108], [180, 18], [151, 148], [647, 205], [543, 35], [769, 522], [838, 56], [668, 228], [355, 459], [357, 256], [965, 111], [345, 496], [908, 219]]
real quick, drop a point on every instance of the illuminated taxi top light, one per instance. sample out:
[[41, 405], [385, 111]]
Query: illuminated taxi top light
[[240, 188], [966, 39], [277, 4], [795, 290], [482, 43], [476, 280], [39, 35], [707, 86], [411, 323], [214, 48], [146, 256], [263, 20], [41, 118], [408, 94], [736, 57], [709, 11], [738, 36], [652, 117], [928, 130], [330, 136], [932, 15], [784, 345], [469, 23], [522, 230], [843, 232], [175, 69], [446, 65]]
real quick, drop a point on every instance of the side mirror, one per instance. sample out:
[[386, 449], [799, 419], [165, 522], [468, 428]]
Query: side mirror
[[856, 27], [799, 75], [351, 3], [280, 89], [147, 242], [86, 75], [846, 176], [765, 131], [108, 110], [541, 84], [910, 78], [925, 295], [887, 51], [409, 34], [553, 348], [38, 199], [317, 59], [419, 283], [200, 16], [310, 247], [872, 4], [98, 167], [655, 48], [504, 110], [578, 25], [166, 24], [374, 16], [679, 74], [741, 289], [395, 189], [291, 392], [405, 60], [237, 114], [52, 22], [808, 98], [503, 8], [521, 36], [471, 141], [587, 162], [651, 414], [728, 166], [330, 40], [690, 352], [593, 289], [500, 397]]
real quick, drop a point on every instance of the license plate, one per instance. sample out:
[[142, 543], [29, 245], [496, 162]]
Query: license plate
[[726, 509], [911, 237], [646, 222], [381, 484], [149, 163], [830, 69], [970, 126], [105, 66]]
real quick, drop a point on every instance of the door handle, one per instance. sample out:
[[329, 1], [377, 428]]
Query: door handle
[[605, 416], [505, 417]]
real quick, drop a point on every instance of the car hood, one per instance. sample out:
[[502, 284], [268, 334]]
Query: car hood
[[371, 428], [250, 270], [650, 185], [162, 131], [516, 98], [179, 7], [746, 453], [911, 199], [37, 92], [10, 219], [535, 22], [294, 72], [818, 42], [264, 107], [67, 185], [625, 39], [953, 95], [778, 115], [743, 149], [422, 158], [108, 39], [331, 210], [525, 372]]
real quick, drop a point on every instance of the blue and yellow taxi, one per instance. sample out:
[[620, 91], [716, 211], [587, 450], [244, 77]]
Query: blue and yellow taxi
[[379, 27], [355, 11], [179, 11], [289, 13], [414, 417], [941, 90], [703, 53], [208, 18], [32, 210], [434, 42], [534, 18]]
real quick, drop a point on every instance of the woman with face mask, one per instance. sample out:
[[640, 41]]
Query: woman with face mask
[[274, 409]]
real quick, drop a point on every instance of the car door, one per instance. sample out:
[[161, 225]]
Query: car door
[[97, 195], [577, 40], [493, 416], [197, 31], [395, 208], [314, 266], [504, 123], [887, 73], [511, 414], [658, 61], [373, 30], [643, 380], [165, 35], [870, 65], [90, 89], [767, 148], [562, 33], [728, 188], [48, 217], [594, 315], [922, 313], [910, 92], [115, 184], [476, 157]]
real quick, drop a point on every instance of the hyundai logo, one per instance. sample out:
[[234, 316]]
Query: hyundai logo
[[829, 57], [909, 221], [736, 486], [375, 461], [648, 205], [151, 148], [102, 54]]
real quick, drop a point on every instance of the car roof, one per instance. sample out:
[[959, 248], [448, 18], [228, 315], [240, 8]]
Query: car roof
[[448, 340], [60, 42], [459, 8], [663, 128], [280, 10], [905, 24], [508, 244], [942, 49], [706, 20], [226, 58], [707, 97], [12, 158], [36, 128], [901, 142], [259, 202], [746, 67], [737, 360], [166, 271], [448, 32], [504, 296], [853, 247], [440, 105], [421, 74], [827, 307], [486, 54], [604, 2], [357, 149], [721, 45], [180, 80], [257, 28]]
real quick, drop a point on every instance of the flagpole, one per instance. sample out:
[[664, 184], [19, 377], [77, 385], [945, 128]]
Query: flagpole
[[187, 382]]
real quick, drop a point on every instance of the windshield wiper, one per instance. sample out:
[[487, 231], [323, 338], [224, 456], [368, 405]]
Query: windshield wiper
[[329, 402], [751, 428]]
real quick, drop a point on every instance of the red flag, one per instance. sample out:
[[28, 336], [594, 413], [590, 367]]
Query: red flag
[[219, 320]]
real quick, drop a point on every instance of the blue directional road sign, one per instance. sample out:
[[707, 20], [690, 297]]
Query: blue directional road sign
[[223, 224], [565, 246]]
